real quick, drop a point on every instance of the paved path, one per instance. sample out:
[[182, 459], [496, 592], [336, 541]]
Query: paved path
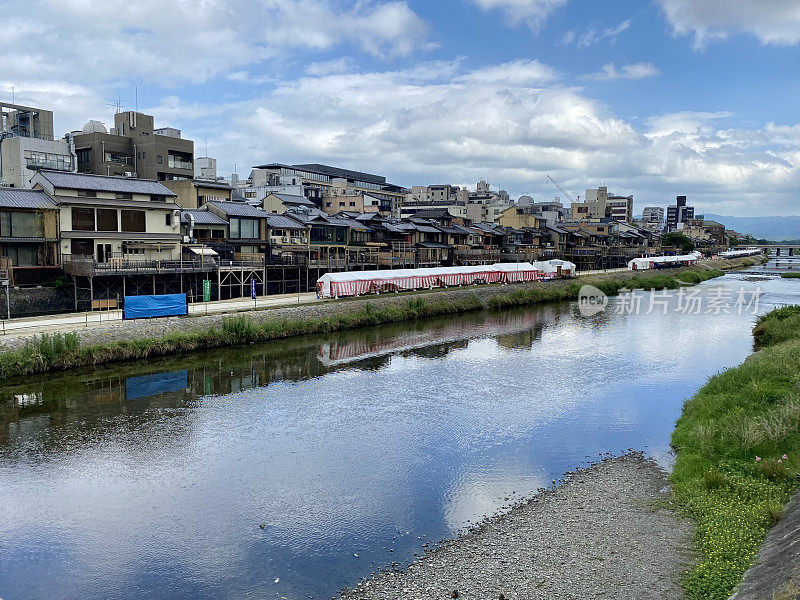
[[34, 325]]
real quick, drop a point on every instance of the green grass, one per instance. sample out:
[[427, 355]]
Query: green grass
[[46, 353], [790, 275], [746, 412]]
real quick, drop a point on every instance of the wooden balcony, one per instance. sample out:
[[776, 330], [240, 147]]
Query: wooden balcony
[[86, 266]]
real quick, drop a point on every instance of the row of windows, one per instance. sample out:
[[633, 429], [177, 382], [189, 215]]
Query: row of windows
[[109, 219], [46, 160], [19, 224]]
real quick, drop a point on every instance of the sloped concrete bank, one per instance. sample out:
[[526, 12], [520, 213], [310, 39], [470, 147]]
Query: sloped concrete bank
[[607, 532], [776, 573], [157, 328]]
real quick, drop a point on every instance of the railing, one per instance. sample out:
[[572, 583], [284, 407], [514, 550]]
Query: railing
[[179, 164], [89, 267]]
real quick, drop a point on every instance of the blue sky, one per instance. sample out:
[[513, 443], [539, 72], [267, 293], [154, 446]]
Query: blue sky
[[694, 97]]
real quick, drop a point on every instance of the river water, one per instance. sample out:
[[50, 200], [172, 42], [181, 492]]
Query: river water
[[292, 469]]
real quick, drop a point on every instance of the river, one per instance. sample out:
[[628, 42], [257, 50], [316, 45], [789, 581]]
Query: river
[[292, 469]]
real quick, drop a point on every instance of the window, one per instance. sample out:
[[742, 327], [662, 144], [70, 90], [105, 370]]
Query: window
[[84, 155], [82, 219], [107, 219], [157, 198], [159, 159], [119, 158], [87, 193], [20, 224], [23, 255], [83, 247], [144, 154], [217, 234], [244, 229], [123, 195], [168, 220], [133, 221], [46, 160], [328, 204], [138, 156]]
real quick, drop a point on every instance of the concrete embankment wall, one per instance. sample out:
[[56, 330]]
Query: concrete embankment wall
[[155, 328]]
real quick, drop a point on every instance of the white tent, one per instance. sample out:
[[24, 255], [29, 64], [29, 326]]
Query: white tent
[[740, 253], [355, 283], [662, 262], [555, 267]]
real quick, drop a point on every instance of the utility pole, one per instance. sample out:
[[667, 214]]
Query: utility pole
[[8, 299]]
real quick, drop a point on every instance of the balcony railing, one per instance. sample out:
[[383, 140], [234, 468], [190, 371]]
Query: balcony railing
[[175, 163], [88, 267]]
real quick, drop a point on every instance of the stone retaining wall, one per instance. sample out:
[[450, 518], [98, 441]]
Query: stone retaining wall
[[32, 302]]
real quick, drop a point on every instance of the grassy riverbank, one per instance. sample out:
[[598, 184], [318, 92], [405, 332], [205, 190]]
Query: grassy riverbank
[[738, 453], [58, 352]]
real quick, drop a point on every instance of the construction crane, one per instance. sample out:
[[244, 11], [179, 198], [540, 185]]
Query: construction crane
[[567, 195]]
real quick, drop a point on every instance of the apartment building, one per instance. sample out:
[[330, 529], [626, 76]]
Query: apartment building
[[360, 203], [134, 148], [27, 145], [116, 219], [678, 213], [620, 208], [318, 181]]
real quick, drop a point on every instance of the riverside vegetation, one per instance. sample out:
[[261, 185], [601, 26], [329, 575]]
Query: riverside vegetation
[[58, 352], [738, 455]]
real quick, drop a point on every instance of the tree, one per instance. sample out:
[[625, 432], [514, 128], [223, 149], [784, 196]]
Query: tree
[[678, 240]]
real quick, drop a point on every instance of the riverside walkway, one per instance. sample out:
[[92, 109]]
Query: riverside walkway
[[30, 326]]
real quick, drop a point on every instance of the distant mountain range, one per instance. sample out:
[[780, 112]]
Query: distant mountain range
[[770, 228]]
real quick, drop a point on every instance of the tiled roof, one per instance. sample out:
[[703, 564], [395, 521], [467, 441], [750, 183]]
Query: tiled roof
[[293, 199], [202, 217], [104, 183], [284, 222], [30, 199], [238, 209]]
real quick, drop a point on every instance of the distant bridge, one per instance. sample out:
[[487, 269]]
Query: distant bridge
[[777, 249]]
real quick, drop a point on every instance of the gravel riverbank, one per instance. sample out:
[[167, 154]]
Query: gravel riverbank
[[605, 533]]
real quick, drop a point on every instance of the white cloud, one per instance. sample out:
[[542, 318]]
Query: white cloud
[[771, 21], [592, 36], [518, 72], [609, 72], [173, 42], [328, 67], [508, 124], [531, 13], [684, 122]]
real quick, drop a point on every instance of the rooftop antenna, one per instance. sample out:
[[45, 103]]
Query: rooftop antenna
[[13, 96], [205, 138], [117, 103], [136, 97]]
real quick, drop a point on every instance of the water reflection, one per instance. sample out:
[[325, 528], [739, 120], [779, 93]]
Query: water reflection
[[154, 479]]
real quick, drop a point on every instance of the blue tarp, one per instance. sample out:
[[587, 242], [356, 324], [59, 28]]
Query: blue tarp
[[158, 383], [140, 307]]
